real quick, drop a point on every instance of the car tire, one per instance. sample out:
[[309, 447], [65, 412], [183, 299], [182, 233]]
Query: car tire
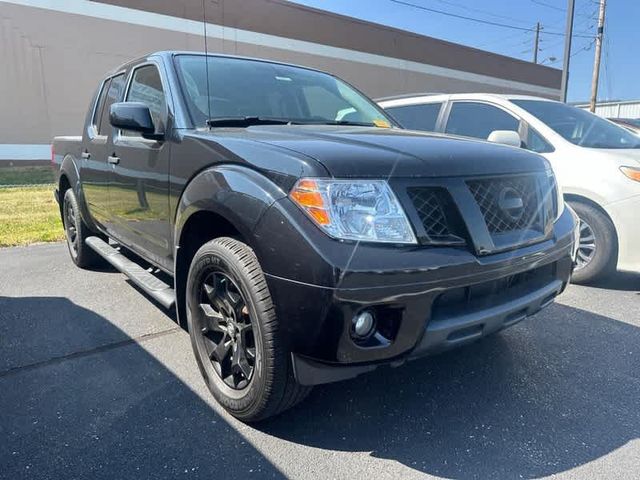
[[598, 249], [76, 232], [235, 333]]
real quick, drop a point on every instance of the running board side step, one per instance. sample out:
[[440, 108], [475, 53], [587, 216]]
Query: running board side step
[[149, 283]]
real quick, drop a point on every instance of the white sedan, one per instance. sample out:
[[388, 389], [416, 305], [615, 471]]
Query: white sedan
[[596, 162]]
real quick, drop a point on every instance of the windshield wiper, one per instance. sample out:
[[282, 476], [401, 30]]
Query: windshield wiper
[[245, 121], [345, 122]]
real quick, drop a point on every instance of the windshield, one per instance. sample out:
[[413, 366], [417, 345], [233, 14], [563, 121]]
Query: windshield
[[241, 88], [579, 126]]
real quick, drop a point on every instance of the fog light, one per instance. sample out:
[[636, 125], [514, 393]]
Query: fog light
[[363, 324]]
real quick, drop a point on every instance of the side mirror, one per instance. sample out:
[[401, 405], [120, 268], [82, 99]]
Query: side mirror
[[135, 117], [505, 137]]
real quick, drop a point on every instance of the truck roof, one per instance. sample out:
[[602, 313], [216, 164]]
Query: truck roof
[[168, 54]]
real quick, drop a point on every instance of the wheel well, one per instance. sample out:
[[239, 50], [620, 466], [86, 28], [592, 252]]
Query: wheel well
[[63, 186], [200, 228]]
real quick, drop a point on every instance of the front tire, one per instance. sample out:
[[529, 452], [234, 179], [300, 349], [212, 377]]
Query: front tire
[[235, 333], [598, 248], [76, 232]]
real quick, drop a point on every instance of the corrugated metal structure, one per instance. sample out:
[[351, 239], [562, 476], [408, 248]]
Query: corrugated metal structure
[[54, 53], [626, 109]]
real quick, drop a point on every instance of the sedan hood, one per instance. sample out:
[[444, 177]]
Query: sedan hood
[[381, 152], [624, 156]]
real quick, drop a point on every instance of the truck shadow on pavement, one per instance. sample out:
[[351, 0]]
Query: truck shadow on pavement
[[553, 393], [81, 399]]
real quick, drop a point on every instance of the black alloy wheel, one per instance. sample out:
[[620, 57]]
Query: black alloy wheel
[[227, 330], [238, 341], [71, 227], [76, 232]]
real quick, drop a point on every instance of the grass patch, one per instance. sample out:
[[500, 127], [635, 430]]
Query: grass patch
[[29, 215], [30, 175]]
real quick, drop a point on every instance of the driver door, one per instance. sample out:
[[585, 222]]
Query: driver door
[[139, 183]]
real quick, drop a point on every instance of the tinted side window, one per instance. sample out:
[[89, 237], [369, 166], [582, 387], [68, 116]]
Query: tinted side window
[[97, 114], [146, 87], [478, 120], [417, 117], [114, 95], [536, 143]]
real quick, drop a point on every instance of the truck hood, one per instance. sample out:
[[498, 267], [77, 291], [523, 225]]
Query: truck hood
[[382, 152]]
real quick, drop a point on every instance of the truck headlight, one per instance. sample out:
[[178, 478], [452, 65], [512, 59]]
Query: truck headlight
[[559, 198], [365, 210]]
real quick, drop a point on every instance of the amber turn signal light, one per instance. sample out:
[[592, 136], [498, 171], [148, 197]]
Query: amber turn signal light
[[307, 195], [631, 172]]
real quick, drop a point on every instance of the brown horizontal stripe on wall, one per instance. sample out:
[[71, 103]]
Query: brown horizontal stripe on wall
[[290, 20]]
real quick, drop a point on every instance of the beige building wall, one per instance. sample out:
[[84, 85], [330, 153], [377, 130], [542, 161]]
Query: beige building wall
[[53, 54]]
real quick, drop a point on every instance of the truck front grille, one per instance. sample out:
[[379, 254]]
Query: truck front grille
[[491, 193], [429, 206], [488, 213]]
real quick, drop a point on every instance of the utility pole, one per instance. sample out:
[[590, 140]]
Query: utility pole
[[536, 43], [598, 56], [567, 49]]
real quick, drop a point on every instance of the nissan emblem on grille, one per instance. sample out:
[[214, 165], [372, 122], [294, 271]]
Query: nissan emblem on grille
[[511, 204], [508, 204]]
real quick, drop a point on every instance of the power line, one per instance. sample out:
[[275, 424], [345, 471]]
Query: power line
[[584, 48], [553, 7], [558, 9], [477, 20], [485, 12]]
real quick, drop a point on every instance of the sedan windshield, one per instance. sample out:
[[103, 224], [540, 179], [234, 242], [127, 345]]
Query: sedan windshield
[[269, 93], [579, 126]]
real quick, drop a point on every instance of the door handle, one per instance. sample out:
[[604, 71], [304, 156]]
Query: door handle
[[113, 160], [85, 155]]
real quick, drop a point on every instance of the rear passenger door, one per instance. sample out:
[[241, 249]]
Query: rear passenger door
[[478, 120], [94, 167], [139, 184]]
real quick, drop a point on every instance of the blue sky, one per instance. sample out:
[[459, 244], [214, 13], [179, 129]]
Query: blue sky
[[619, 76]]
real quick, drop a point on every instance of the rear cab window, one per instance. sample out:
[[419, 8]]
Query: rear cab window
[[114, 94], [417, 117], [99, 105]]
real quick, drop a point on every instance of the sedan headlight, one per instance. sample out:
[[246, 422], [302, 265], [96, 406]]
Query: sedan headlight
[[365, 210], [631, 172]]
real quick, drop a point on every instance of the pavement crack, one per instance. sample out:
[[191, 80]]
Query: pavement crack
[[88, 352]]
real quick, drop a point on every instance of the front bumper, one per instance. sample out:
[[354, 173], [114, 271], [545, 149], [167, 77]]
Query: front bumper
[[624, 214], [425, 299]]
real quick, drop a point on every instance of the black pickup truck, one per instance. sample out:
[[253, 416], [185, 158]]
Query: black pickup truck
[[300, 235]]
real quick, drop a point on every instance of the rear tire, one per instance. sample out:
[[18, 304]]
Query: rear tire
[[235, 333], [598, 249], [76, 232]]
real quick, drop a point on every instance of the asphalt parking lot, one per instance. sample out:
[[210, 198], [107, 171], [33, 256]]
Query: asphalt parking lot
[[96, 381]]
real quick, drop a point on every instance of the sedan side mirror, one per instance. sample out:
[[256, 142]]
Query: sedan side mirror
[[135, 117], [505, 137]]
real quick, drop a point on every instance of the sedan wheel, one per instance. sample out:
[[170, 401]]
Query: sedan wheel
[[587, 246], [598, 244]]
